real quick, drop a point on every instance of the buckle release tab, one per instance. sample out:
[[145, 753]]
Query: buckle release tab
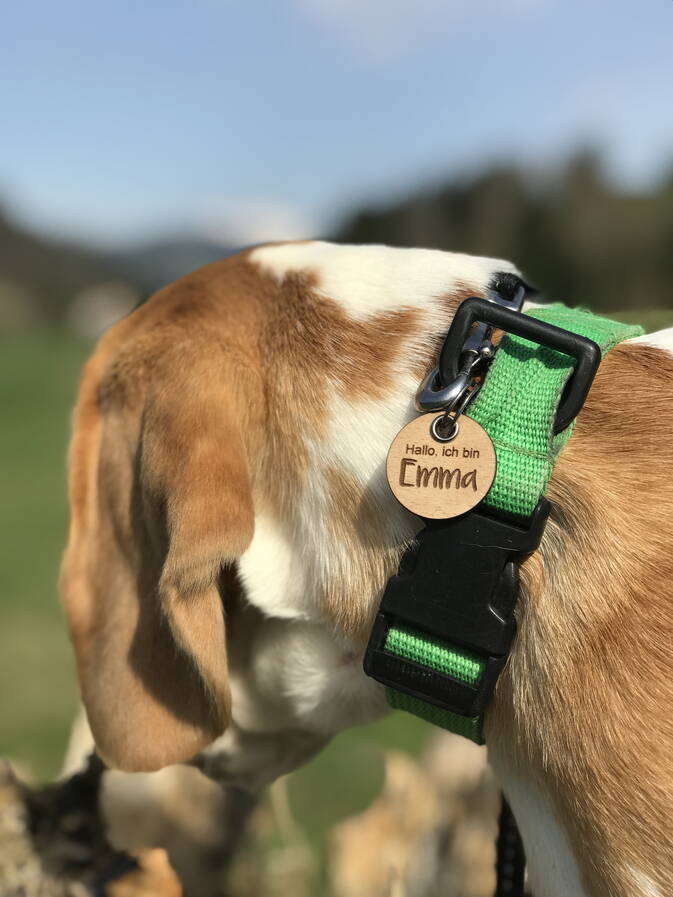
[[457, 584]]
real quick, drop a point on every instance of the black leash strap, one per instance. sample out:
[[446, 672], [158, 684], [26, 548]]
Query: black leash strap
[[510, 861]]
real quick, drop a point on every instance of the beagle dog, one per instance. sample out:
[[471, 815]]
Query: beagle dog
[[232, 532]]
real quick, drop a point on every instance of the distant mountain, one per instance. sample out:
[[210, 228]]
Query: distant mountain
[[48, 272], [153, 265], [44, 275]]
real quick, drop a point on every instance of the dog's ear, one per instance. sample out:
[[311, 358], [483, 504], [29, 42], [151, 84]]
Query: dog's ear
[[160, 501]]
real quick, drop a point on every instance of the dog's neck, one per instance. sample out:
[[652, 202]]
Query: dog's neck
[[568, 722]]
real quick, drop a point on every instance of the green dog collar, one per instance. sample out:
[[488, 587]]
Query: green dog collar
[[517, 405], [427, 673]]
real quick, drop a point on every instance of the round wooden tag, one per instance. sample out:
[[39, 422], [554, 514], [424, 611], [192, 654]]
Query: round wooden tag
[[437, 479]]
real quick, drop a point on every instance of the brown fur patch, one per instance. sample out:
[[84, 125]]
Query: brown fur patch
[[586, 703]]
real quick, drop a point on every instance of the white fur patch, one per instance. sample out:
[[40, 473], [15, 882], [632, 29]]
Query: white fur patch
[[365, 280], [662, 339], [552, 868], [320, 679], [274, 574], [80, 746], [358, 438]]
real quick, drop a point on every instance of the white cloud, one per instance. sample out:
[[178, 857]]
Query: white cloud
[[255, 220], [382, 30]]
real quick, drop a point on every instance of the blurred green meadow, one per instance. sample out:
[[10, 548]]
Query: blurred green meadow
[[39, 370], [38, 376]]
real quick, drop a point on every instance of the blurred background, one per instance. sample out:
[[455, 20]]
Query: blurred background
[[139, 141]]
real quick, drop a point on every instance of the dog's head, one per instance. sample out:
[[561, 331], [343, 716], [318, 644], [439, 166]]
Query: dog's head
[[242, 416]]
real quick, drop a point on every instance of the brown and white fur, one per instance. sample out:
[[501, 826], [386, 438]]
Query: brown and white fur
[[232, 531]]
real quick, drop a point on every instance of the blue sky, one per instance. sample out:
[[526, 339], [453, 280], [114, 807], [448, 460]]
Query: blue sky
[[258, 119]]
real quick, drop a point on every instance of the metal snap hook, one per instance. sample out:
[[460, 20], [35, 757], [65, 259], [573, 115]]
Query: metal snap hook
[[431, 398]]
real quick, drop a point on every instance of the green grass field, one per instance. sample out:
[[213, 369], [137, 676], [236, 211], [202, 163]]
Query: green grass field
[[38, 376]]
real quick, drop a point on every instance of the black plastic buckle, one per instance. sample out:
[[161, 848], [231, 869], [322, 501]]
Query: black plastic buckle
[[585, 351], [458, 582]]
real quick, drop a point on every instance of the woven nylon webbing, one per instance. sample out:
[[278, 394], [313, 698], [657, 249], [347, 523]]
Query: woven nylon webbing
[[516, 406], [518, 401]]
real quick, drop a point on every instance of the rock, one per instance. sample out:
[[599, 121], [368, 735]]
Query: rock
[[431, 831]]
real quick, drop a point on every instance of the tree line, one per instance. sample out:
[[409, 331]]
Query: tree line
[[577, 235]]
